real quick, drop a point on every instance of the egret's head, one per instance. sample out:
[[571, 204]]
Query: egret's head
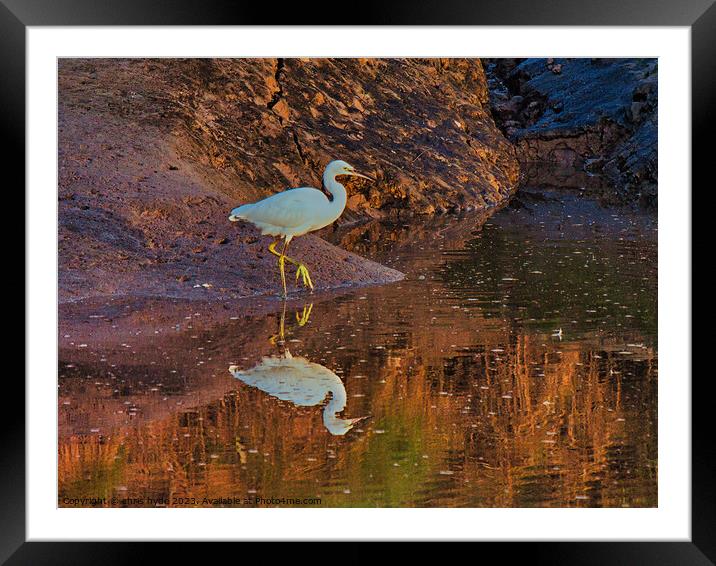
[[337, 426], [338, 167]]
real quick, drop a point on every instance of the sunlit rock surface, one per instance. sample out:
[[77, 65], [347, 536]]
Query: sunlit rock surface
[[153, 153]]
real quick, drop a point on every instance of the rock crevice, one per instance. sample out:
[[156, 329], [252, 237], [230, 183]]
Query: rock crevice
[[278, 93], [422, 128], [154, 153]]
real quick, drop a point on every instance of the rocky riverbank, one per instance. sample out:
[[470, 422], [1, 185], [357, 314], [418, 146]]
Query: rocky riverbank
[[154, 153], [595, 116]]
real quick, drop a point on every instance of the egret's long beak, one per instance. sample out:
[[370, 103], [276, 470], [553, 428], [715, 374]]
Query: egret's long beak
[[356, 174], [358, 420]]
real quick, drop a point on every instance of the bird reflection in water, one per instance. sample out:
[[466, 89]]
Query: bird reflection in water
[[295, 379]]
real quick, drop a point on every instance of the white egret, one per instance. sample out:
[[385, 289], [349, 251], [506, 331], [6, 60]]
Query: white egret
[[303, 383], [295, 212], [300, 381]]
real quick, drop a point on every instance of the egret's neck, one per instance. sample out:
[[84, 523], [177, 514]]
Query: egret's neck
[[335, 405], [338, 399], [340, 196]]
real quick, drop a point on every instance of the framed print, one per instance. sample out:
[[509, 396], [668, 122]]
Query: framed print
[[413, 274]]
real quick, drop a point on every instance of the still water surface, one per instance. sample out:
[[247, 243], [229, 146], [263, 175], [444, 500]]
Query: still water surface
[[516, 366]]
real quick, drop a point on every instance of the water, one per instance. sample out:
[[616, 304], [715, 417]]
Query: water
[[516, 366]]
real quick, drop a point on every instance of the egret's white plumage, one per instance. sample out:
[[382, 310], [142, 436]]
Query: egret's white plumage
[[303, 383], [295, 212]]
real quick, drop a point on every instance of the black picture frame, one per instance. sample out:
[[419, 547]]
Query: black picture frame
[[699, 15]]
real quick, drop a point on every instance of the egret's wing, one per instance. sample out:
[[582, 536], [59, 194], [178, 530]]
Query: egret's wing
[[289, 209], [295, 379]]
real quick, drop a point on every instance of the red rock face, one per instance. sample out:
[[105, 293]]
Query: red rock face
[[153, 154], [422, 127]]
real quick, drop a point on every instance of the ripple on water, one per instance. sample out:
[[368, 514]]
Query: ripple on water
[[515, 366]]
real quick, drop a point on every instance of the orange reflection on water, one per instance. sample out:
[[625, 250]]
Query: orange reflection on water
[[473, 398]]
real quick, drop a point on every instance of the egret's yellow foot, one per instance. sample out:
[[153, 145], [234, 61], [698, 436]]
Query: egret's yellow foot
[[305, 315], [302, 271]]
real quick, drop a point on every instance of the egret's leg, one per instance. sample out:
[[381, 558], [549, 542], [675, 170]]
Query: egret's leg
[[281, 262], [280, 338], [272, 249], [301, 269]]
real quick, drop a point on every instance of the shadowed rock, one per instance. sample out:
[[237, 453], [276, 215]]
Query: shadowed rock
[[593, 115]]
